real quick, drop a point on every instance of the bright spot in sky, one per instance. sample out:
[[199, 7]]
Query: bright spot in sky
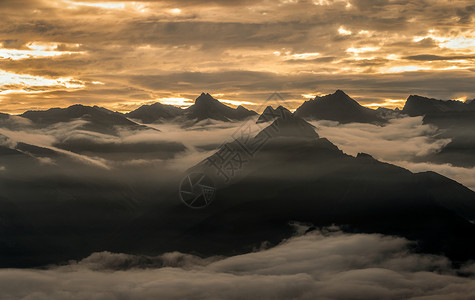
[[175, 11], [35, 50], [405, 69], [343, 31], [10, 82], [236, 102], [304, 55], [107, 5], [459, 42], [364, 32], [357, 51], [184, 102], [388, 103]]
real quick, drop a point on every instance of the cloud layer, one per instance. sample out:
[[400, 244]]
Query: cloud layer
[[403, 142], [325, 265]]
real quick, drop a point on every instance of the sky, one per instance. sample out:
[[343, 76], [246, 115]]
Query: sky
[[122, 54]]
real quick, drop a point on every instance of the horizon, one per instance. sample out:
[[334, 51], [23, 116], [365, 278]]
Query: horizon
[[243, 103]]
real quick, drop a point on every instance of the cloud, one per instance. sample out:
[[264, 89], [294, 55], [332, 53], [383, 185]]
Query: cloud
[[430, 57], [323, 264], [403, 142], [401, 139], [230, 48]]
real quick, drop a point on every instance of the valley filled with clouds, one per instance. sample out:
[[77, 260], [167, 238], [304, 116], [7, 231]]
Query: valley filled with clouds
[[327, 264]]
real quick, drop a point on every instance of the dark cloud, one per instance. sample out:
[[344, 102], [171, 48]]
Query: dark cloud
[[430, 57]]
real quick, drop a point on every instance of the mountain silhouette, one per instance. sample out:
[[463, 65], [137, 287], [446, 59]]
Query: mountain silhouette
[[285, 173], [337, 107], [270, 114], [156, 112], [308, 179], [96, 119], [207, 107], [418, 106], [455, 119]]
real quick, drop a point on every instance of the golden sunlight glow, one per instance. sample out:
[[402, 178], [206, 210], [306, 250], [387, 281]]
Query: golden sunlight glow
[[182, 102], [343, 31], [304, 55], [459, 43], [357, 51], [236, 102], [35, 50], [175, 11], [400, 69], [10, 82], [388, 103], [106, 5], [462, 99], [464, 41]]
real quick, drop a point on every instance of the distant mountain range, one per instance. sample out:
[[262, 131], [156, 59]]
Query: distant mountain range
[[95, 118], [454, 118], [205, 107], [52, 211], [335, 107]]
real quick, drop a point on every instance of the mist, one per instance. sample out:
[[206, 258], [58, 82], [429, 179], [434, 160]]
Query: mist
[[325, 264]]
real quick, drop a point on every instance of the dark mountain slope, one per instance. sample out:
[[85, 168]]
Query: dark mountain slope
[[337, 107], [456, 120], [418, 106], [308, 179], [156, 112], [207, 107], [270, 114], [98, 119]]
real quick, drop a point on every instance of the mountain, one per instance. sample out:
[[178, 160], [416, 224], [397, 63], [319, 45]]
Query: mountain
[[156, 112], [387, 113], [270, 114], [456, 120], [305, 178], [289, 126], [286, 173], [337, 107], [419, 106], [96, 118], [207, 107]]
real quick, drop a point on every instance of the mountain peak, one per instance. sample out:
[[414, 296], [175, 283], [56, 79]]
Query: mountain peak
[[207, 107], [290, 126], [205, 98], [418, 105], [340, 93], [270, 114], [337, 107]]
